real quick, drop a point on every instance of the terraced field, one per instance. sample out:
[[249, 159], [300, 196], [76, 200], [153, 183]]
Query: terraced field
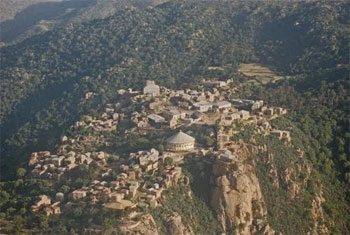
[[258, 73]]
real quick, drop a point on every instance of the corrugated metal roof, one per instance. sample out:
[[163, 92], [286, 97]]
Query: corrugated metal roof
[[181, 138]]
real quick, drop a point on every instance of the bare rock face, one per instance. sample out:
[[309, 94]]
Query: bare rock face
[[294, 178], [319, 226], [291, 178], [237, 198], [273, 173], [176, 227], [145, 226]]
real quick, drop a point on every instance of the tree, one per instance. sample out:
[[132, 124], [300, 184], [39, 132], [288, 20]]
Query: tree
[[161, 148], [4, 197], [107, 226], [208, 141], [43, 221], [62, 229], [65, 189], [72, 232], [77, 212], [168, 161], [21, 172], [18, 222]]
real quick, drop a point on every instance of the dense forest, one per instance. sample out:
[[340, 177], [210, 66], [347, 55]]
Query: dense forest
[[44, 78]]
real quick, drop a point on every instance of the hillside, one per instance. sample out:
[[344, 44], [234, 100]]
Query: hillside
[[37, 17], [9, 8], [45, 80]]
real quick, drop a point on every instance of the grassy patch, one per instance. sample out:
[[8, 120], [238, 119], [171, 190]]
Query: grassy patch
[[258, 73]]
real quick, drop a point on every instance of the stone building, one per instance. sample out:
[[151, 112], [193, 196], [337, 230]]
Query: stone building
[[156, 120], [151, 88], [203, 106], [222, 104], [244, 114], [180, 142], [282, 135], [77, 194], [222, 140], [43, 201]]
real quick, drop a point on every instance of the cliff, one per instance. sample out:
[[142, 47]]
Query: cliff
[[237, 197], [176, 226]]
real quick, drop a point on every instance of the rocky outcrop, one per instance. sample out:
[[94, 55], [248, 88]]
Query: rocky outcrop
[[293, 178], [319, 226], [273, 173], [296, 178], [176, 227], [236, 195], [145, 226]]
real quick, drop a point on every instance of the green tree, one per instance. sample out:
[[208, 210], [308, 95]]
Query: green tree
[[18, 223], [161, 148], [65, 189], [168, 161], [21, 172], [43, 221]]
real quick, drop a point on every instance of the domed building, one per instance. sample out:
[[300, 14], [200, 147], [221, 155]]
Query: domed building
[[180, 142]]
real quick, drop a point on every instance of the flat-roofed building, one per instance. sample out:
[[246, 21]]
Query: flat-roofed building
[[244, 114], [156, 120], [222, 104], [203, 106]]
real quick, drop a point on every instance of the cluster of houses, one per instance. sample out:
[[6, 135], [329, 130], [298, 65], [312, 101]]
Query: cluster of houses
[[210, 102], [160, 108], [139, 182], [53, 166], [107, 122], [140, 179], [45, 205]]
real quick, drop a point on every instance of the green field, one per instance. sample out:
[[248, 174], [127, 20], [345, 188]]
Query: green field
[[258, 74]]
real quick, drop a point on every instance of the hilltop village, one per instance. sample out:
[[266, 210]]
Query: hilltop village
[[138, 179]]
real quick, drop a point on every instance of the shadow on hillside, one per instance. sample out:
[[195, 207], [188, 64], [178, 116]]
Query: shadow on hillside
[[47, 135], [31, 16]]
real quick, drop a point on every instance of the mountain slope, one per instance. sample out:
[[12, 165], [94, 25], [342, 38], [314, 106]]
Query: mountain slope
[[170, 43], [9, 8], [42, 16], [44, 79]]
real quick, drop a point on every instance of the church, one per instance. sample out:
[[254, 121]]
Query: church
[[180, 142]]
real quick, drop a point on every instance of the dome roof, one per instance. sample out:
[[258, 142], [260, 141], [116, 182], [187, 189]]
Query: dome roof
[[180, 138]]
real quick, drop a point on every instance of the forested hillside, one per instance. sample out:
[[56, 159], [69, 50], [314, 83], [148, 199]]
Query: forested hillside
[[172, 43], [24, 19], [43, 79], [38, 18], [9, 8]]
